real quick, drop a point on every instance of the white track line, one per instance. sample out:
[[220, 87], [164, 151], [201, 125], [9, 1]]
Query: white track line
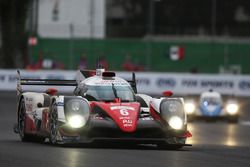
[[246, 123]]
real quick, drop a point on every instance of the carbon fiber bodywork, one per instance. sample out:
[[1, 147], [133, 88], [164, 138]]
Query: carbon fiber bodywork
[[148, 131]]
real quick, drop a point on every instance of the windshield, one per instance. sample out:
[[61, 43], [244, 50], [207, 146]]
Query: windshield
[[211, 101], [107, 93]]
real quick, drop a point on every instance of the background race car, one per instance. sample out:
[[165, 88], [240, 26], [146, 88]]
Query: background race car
[[210, 106]]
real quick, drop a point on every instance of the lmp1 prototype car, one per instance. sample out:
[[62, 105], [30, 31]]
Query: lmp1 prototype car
[[103, 108], [211, 107]]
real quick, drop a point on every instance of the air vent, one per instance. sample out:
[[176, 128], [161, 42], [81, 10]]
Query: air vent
[[108, 74]]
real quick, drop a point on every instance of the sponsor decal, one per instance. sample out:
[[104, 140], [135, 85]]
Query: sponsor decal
[[60, 104], [125, 116], [127, 121], [189, 83], [166, 82], [143, 81], [121, 108], [217, 84], [2, 78], [172, 107], [28, 99], [12, 78], [28, 107], [122, 118], [244, 85], [109, 82]]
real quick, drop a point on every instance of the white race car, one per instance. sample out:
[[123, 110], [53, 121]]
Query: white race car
[[211, 107], [102, 107]]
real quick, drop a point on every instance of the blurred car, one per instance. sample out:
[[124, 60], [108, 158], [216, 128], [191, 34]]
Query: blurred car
[[210, 106], [103, 108]]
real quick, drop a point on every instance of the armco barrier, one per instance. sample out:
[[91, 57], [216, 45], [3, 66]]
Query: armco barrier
[[147, 82]]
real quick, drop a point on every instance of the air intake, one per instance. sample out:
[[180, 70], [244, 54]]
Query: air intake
[[108, 74]]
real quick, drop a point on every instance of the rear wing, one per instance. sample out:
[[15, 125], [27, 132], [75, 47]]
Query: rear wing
[[42, 82]]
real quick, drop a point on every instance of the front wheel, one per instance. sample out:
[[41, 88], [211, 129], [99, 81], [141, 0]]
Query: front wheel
[[21, 126], [53, 124], [22, 121]]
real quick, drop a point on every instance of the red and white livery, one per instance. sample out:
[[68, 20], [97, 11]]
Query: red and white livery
[[102, 107]]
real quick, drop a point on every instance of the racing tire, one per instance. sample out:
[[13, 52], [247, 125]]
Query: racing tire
[[22, 122], [21, 126], [53, 123]]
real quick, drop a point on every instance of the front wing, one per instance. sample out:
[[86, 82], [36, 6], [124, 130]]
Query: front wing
[[147, 132]]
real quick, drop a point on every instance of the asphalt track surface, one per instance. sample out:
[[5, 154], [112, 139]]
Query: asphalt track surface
[[214, 144]]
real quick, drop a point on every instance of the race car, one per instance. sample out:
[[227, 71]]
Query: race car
[[212, 107], [102, 107]]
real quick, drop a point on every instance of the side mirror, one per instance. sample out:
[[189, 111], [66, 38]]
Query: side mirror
[[51, 91], [167, 93]]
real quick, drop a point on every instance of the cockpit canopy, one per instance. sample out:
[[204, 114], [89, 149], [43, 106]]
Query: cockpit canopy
[[211, 98], [108, 93], [105, 88]]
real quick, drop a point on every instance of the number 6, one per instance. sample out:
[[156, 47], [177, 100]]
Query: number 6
[[124, 112]]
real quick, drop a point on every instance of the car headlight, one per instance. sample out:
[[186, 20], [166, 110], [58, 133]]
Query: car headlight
[[77, 121], [189, 108], [77, 112], [232, 109], [176, 122]]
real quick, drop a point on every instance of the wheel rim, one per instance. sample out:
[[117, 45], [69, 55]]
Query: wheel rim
[[53, 125], [21, 120]]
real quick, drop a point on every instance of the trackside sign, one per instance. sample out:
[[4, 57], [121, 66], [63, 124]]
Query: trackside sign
[[148, 82]]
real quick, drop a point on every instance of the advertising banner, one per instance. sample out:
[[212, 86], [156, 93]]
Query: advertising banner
[[148, 82]]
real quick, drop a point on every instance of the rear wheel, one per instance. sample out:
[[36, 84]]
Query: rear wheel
[[22, 126], [53, 124]]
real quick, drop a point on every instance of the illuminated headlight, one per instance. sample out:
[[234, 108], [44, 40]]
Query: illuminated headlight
[[232, 109], [176, 122], [189, 108], [76, 121], [77, 112]]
